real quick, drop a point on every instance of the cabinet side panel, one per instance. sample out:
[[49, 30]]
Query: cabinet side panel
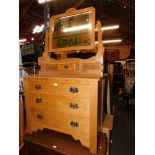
[[26, 85], [93, 116], [100, 104]]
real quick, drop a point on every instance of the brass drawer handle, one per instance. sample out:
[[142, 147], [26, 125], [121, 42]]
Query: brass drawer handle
[[37, 86], [74, 105], [39, 100], [74, 124], [73, 90], [39, 116]]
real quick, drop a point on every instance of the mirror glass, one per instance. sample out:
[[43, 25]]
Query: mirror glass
[[72, 31]]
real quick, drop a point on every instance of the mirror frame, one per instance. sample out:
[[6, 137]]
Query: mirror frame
[[70, 12]]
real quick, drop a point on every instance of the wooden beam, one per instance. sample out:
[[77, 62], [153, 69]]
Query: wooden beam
[[26, 28], [28, 20], [78, 3], [25, 10], [126, 4], [127, 31], [72, 4], [35, 14], [55, 6], [102, 14], [124, 29]]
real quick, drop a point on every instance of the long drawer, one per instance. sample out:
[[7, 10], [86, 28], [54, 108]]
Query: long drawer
[[65, 89], [65, 122], [59, 104]]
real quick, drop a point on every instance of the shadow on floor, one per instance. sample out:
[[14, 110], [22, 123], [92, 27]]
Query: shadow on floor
[[123, 134]]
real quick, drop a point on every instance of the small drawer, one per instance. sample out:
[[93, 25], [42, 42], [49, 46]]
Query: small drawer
[[57, 88], [66, 67], [63, 122], [59, 104]]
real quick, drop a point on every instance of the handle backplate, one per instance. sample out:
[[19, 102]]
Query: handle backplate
[[73, 90], [37, 86], [74, 124]]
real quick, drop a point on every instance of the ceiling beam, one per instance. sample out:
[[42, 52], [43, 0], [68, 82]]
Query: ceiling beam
[[73, 4], [124, 29], [25, 10], [126, 4], [27, 28], [55, 8], [127, 31], [78, 3], [35, 14], [103, 15]]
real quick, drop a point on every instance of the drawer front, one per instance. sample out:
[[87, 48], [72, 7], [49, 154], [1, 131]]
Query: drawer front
[[66, 67], [59, 104], [55, 88], [64, 122]]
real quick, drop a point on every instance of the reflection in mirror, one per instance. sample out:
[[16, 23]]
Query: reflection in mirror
[[72, 31]]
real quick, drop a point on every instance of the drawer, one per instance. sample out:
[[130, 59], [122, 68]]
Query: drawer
[[66, 123], [57, 88], [66, 66], [59, 104]]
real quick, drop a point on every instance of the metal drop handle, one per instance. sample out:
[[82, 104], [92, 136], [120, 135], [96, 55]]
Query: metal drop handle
[[73, 90], [74, 124], [37, 86], [39, 100], [40, 116], [74, 105]]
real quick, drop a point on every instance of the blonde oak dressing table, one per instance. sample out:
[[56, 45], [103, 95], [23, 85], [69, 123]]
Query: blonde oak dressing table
[[67, 95]]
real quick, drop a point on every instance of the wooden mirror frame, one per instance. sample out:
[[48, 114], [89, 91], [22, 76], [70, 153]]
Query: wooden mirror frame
[[70, 12]]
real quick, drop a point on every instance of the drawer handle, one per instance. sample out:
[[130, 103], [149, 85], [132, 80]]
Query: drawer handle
[[39, 100], [73, 90], [74, 105], [74, 124], [39, 116], [37, 86], [66, 66]]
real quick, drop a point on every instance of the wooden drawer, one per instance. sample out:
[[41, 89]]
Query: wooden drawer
[[55, 88], [66, 66], [74, 124], [59, 104]]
